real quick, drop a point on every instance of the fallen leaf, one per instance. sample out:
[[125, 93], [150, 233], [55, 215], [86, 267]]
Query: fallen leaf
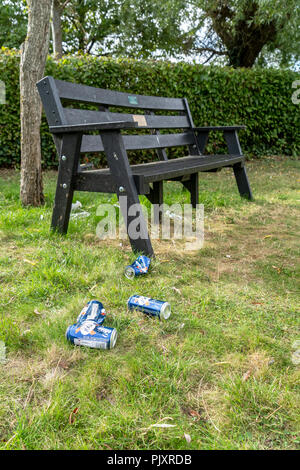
[[72, 415], [176, 290], [194, 414], [110, 400], [268, 236], [277, 269], [107, 446], [246, 376], [187, 438], [28, 261], [25, 332]]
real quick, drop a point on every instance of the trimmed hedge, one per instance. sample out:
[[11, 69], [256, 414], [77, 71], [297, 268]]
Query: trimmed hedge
[[258, 98]]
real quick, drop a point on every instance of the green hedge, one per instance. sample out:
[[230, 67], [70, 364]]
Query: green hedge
[[258, 98]]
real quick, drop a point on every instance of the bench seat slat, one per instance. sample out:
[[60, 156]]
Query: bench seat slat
[[158, 171], [87, 94], [183, 166]]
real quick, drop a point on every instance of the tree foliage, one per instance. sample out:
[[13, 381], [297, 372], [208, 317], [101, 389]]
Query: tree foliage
[[130, 27], [234, 32], [13, 23], [244, 31]]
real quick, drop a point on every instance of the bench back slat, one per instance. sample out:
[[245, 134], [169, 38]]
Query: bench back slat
[[87, 94], [79, 116], [93, 143]]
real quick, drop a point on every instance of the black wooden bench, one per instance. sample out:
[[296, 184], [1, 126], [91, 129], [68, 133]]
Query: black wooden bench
[[70, 126]]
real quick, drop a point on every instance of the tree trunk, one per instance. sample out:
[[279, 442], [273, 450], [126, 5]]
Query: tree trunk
[[245, 41], [32, 66], [57, 29], [81, 20]]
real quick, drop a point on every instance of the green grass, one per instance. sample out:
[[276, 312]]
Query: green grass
[[219, 369]]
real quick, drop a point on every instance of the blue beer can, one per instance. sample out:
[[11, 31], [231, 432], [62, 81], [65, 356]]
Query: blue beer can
[[152, 307], [92, 335], [138, 267], [94, 311]]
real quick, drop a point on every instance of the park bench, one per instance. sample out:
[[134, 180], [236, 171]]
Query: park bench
[[71, 129]]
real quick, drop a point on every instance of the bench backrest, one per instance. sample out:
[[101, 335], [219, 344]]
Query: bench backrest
[[56, 95]]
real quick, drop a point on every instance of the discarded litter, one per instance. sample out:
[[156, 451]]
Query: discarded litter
[[138, 267], [88, 329], [296, 357], [80, 215], [296, 354], [152, 307], [91, 334], [2, 352], [94, 311], [296, 344], [172, 215], [77, 205]]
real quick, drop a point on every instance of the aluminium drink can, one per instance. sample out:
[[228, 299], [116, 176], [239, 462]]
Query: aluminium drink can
[[152, 307], [93, 310], [138, 267], [92, 335]]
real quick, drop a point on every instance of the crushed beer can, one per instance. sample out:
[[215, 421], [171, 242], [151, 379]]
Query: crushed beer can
[[94, 311], [90, 333], [152, 307], [138, 267]]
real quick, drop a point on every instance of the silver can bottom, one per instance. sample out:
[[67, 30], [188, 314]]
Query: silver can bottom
[[113, 339], [165, 311], [129, 272]]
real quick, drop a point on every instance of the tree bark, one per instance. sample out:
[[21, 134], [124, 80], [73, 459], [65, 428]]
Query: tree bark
[[56, 28], [32, 65]]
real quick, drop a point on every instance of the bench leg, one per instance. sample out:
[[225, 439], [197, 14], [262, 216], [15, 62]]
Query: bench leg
[[234, 148], [193, 186], [68, 161], [156, 197], [242, 181], [125, 186]]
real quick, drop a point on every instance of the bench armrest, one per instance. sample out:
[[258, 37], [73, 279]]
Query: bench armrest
[[218, 128], [105, 126]]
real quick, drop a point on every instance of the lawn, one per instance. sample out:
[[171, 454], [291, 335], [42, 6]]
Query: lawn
[[219, 370]]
